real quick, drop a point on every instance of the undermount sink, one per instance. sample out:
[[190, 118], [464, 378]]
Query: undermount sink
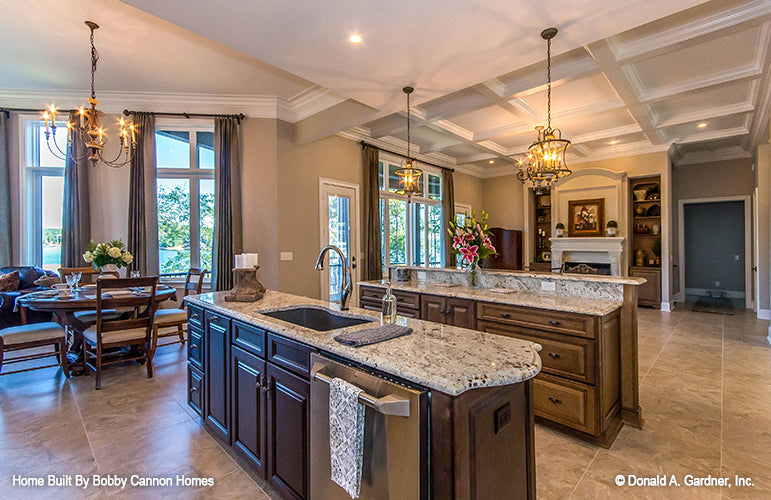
[[318, 319]]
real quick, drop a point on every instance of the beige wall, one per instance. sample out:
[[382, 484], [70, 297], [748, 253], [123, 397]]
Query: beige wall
[[468, 190], [763, 158], [300, 167], [502, 198]]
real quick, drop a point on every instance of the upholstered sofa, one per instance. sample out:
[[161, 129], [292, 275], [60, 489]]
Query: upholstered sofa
[[27, 277]]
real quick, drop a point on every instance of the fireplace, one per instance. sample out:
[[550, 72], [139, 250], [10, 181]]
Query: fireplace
[[589, 251], [600, 268]]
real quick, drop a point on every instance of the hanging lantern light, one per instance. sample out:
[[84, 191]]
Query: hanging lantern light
[[410, 177]]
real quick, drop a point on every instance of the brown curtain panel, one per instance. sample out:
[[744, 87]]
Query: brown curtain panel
[[76, 213], [448, 210], [228, 236], [143, 199], [5, 193], [372, 269]]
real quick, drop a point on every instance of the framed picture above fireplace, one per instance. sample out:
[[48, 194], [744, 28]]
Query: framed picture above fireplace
[[586, 217]]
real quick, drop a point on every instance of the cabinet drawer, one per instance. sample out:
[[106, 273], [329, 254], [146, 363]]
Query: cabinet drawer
[[370, 293], [194, 316], [565, 402], [406, 299], [195, 389], [561, 322], [249, 338], [293, 356], [195, 347], [561, 355], [401, 310], [217, 319]]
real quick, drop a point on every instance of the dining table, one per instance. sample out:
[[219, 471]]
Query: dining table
[[80, 299]]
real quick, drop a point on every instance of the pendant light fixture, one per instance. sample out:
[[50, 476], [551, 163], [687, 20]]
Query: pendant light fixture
[[410, 177], [545, 162], [88, 129]]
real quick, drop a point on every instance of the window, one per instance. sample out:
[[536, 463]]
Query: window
[[185, 156], [43, 196], [411, 233]]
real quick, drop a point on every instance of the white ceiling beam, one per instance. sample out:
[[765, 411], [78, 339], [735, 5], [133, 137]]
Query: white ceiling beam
[[763, 99], [691, 33], [712, 135], [605, 59], [605, 134], [707, 114]]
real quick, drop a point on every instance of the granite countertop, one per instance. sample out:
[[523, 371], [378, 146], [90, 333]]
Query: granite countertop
[[449, 359], [586, 278], [551, 301]]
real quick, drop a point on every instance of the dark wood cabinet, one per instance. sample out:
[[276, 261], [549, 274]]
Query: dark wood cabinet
[[217, 346], [407, 303], [448, 311], [508, 244], [288, 433], [248, 391], [648, 294], [195, 389]]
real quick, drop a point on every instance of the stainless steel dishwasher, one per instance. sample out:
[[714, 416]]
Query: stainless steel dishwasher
[[395, 462]]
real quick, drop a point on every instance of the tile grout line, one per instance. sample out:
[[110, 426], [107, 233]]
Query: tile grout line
[[642, 379], [597, 452]]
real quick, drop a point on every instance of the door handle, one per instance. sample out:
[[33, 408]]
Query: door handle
[[387, 405]]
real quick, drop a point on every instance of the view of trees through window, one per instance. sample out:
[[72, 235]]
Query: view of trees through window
[[185, 199]]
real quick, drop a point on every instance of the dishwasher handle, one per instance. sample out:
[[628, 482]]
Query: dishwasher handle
[[387, 405]]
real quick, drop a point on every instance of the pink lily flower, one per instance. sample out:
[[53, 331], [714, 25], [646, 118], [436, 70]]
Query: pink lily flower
[[469, 253]]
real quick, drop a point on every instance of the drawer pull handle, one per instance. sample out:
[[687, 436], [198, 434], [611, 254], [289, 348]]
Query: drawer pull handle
[[217, 318], [555, 400], [194, 346], [193, 389], [505, 315], [555, 355], [554, 322]]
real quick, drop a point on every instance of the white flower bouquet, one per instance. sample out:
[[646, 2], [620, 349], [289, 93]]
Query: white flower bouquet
[[111, 252]]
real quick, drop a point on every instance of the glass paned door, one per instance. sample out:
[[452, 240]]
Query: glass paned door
[[339, 227]]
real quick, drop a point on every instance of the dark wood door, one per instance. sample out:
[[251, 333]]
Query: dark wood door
[[248, 407], [216, 374], [431, 308], [460, 312], [288, 433]]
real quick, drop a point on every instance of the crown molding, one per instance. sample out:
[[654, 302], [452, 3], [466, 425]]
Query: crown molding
[[621, 151], [721, 154], [397, 145], [311, 101]]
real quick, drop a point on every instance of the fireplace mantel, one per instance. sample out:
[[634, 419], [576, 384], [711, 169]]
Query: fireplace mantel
[[613, 247]]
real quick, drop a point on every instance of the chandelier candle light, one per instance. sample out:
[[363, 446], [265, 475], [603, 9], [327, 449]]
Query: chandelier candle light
[[89, 129], [410, 176], [545, 161]]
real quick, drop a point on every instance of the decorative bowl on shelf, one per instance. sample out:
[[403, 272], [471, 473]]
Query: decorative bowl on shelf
[[639, 194]]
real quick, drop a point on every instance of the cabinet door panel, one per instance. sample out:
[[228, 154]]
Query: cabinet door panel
[[288, 432], [248, 407], [431, 308], [461, 312], [216, 357], [195, 389]]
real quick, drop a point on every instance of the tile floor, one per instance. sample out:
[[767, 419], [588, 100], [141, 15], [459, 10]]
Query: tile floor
[[705, 393]]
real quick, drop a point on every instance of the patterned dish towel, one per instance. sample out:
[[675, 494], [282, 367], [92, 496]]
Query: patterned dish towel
[[373, 335], [346, 435]]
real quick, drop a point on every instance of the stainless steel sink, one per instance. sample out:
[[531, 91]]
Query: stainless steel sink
[[318, 319]]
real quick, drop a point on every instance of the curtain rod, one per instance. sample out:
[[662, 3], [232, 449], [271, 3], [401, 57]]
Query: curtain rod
[[403, 156], [126, 112], [239, 116]]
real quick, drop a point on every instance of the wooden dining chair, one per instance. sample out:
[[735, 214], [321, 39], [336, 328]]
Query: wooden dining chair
[[177, 318], [88, 275], [30, 336], [111, 333]]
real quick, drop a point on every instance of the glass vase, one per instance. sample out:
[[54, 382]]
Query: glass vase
[[474, 275]]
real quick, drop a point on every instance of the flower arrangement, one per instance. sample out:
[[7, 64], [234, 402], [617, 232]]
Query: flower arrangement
[[111, 252], [472, 239]]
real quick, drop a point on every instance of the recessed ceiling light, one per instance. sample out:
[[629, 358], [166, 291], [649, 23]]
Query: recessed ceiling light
[[614, 141], [491, 162], [355, 39], [701, 125]]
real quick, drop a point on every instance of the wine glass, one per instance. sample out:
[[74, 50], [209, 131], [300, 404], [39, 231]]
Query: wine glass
[[71, 281], [135, 274], [76, 279]]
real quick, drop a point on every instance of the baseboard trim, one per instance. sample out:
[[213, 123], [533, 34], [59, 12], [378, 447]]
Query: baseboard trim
[[765, 314]]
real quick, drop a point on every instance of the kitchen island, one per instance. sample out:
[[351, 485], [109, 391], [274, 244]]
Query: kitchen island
[[249, 377], [587, 325]]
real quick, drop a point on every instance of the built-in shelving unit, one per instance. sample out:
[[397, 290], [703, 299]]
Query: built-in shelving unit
[[645, 237], [542, 217]]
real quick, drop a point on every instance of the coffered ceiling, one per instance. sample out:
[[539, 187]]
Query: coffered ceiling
[[630, 76]]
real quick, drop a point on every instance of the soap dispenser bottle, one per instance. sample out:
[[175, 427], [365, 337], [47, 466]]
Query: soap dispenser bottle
[[389, 306]]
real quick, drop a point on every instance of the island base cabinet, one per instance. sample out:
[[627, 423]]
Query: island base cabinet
[[217, 342], [195, 389], [248, 408], [288, 433]]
